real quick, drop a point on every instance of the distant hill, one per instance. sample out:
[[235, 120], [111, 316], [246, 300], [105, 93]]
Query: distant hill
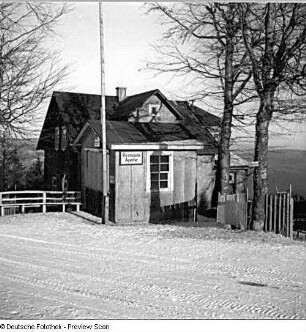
[[27, 150], [285, 167]]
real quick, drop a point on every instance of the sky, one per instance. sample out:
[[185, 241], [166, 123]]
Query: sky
[[129, 34]]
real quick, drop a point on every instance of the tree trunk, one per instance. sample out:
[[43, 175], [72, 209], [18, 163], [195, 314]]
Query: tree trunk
[[224, 152], [260, 181], [226, 127]]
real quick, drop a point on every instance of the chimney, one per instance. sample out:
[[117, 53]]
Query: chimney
[[121, 93]]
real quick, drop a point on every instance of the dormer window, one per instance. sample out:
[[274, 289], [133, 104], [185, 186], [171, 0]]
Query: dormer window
[[153, 111], [97, 141]]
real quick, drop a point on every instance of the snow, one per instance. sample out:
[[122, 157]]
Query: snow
[[62, 266]]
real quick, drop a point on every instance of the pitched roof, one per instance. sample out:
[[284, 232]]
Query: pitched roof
[[129, 104], [196, 114], [120, 132], [89, 103], [237, 161], [75, 109]]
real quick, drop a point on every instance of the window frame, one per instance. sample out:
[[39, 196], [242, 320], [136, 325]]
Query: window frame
[[232, 178], [97, 141], [151, 107], [169, 172]]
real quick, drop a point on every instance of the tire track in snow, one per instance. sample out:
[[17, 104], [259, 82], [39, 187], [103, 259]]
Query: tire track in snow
[[270, 277], [59, 300], [248, 269], [207, 268], [174, 295], [143, 258], [113, 300]]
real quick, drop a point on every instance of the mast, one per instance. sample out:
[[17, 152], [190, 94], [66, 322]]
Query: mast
[[103, 121]]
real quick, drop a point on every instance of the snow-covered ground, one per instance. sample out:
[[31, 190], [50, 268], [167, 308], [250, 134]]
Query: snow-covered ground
[[60, 266]]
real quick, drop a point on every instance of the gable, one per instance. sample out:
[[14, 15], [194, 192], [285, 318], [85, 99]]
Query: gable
[[153, 110], [128, 108], [52, 120], [72, 110]]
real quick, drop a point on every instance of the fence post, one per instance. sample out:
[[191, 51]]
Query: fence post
[[1, 206], [291, 216], [278, 227], [270, 212], [266, 213], [284, 214], [44, 209], [289, 220], [288, 215], [275, 214]]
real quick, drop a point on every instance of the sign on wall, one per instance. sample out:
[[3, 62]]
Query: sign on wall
[[131, 158]]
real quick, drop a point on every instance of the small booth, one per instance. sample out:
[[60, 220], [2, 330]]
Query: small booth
[[149, 179]]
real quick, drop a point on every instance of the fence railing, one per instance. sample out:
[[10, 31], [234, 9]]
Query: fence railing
[[12, 202]]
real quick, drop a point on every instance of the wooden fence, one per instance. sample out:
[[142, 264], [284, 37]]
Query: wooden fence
[[279, 213], [237, 210], [12, 202]]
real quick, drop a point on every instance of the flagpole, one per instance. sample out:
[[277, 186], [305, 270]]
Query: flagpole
[[103, 120]]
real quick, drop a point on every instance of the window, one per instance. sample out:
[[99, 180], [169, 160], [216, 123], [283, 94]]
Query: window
[[159, 172], [153, 111], [56, 138], [231, 178], [97, 142], [64, 138]]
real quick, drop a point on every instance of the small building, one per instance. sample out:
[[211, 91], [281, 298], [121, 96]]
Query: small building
[[161, 154], [155, 170], [238, 175], [68, 112]]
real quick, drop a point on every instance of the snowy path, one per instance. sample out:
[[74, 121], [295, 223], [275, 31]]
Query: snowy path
[[56, 266]]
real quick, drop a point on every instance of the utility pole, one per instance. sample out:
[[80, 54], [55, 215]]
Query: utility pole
[[103, 122]]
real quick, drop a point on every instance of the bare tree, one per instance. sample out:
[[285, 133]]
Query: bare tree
[[275, 38], [205, 42], [29, 70]]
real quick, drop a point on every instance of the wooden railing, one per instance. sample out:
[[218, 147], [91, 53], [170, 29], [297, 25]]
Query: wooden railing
[[19, 201]]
